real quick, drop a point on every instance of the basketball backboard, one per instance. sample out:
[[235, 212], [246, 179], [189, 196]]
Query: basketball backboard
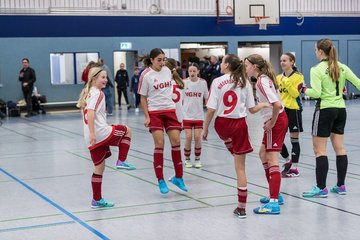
[[249, 12]]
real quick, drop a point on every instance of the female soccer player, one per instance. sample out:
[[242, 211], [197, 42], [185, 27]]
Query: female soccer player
[[98, 134], [156, 92], [327, 81], [275, 125]]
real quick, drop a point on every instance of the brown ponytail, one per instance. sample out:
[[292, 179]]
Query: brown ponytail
[[263, 66], [329, 50], [171, 64]]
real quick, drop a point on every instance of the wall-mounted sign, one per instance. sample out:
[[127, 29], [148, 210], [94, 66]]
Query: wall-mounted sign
[[125, 45]]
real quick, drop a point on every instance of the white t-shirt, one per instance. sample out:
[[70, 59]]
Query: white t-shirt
[[266, 92], [177, 97], [229, 102], [157, 87], [194, 94], [96, 101]]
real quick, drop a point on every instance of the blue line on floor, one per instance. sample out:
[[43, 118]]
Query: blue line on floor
[[34, 226], [93, 230]]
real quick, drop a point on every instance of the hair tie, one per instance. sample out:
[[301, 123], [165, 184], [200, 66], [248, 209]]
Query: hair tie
[[173, 70]]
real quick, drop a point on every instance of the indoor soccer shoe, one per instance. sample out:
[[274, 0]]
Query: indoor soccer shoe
[[286, 169], [316, 192], [179, 182], [267, 199], [198, 164], [102, 203], [124, 165], [293, 172], [269, 208], [163, 187], [240, 212], [339, 190], [188, 164]]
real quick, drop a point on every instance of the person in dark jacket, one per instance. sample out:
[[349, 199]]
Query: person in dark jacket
[[134, 87], [122, 81], [27, 78]]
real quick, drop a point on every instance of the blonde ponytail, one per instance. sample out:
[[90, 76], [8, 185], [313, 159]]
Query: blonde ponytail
[[93, 73]]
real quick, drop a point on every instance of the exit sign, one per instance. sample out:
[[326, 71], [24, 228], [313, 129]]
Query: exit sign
[[125, 45]]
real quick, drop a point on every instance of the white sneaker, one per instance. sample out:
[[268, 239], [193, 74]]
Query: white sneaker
[[136, 109], [188, 164], [198, 164]]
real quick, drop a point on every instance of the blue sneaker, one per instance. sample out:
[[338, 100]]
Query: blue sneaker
[[316, 192], [267, 199], [124, 165], [179, 182], [269, 208], [339, 190], [102, 203], [163, 187]]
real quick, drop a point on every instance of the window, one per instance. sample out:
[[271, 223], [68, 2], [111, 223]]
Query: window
[[67, 68]]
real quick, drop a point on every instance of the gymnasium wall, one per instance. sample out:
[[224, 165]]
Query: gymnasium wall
[[36, 37]]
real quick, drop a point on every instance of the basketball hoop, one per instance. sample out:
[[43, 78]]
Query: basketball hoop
[[262, 24]]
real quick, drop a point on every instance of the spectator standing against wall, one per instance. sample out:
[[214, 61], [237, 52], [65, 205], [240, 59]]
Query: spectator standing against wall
[[212, 70], [27, 78], [108, 89], [134, 84], [122, 80]]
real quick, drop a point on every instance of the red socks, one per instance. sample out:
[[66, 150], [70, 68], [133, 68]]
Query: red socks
[[274, 181], [176, 157], [159, 163], [187, 153], [96, 181], [242, 196], [197, 153], [124, 148]]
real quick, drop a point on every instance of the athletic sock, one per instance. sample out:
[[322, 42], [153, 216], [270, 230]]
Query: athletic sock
[[159, 163], [96, 181], [124, 147], [295, 151], [187, 153], [322, 168], [274, 181], [284, 153], [176, 157], [341, 166], [242, 197]]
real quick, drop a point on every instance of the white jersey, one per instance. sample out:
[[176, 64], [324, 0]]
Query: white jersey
[[194, 94], [158, 89], [266, 92], [177, 97], [96, 101], [230, 102]]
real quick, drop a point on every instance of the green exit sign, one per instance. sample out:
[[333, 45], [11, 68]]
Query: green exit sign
[[125, 45]]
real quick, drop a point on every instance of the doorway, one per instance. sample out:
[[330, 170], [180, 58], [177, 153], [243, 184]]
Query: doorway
[[270, 51], [130, 59]]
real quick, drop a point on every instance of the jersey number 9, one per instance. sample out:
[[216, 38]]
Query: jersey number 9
[[230, 100]]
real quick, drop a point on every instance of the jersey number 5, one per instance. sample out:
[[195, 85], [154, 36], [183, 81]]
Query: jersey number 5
[[230, 100], [177, 93]]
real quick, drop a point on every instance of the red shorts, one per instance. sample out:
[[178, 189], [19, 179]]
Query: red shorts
[[190, 124], [235, 129], [274, 139], [101, 151], [161, 120]]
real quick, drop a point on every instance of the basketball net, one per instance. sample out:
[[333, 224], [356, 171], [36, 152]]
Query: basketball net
[[262, 24]]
